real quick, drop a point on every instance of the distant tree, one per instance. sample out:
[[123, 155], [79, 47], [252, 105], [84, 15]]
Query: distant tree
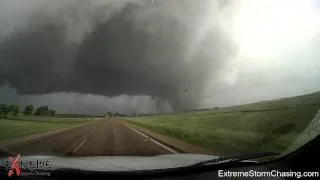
[[110, 114], [11, 107], [28, 110], [122, 115], [4, 110], [46, 111], [37, 112], [14, 109], [52, 112], [42, 111]]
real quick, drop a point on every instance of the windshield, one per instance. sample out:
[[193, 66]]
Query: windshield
[[213, 78]]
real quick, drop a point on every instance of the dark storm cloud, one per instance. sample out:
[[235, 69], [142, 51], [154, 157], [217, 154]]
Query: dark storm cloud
[[111, 49]]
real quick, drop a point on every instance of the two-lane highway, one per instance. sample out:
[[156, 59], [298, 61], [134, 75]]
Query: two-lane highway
[[106, 137]]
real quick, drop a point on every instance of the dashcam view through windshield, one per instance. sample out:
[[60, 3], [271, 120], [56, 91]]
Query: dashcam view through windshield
[[124, 78]]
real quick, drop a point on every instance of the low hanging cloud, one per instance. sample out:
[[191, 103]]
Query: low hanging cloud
[[163, 49]]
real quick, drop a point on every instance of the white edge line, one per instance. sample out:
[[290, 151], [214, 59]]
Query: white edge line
[[153, 140], [79, 146], [163, 146]]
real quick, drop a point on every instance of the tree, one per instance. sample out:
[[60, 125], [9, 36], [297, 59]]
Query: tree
[[42, 111], [52, 112], [28, 110], [4, 110], [14, 109], [110, 114]]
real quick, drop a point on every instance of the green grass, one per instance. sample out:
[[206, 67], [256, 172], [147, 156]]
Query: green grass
[[263, 126], [21, 126]]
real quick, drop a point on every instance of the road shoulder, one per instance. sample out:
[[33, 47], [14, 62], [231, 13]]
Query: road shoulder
[[176, 144], [33, 137]]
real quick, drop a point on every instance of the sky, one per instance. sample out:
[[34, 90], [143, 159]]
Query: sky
[[145, 56]]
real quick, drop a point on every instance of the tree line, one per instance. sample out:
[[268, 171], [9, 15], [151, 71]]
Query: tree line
[[29, 110], [111, 114]]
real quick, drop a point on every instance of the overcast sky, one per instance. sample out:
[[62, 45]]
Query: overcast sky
[[81, 56]]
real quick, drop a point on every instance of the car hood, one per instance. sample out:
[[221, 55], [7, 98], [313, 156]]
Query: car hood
[[119, 163]]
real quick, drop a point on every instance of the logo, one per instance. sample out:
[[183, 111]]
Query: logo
[[15, 169], [28, 166]]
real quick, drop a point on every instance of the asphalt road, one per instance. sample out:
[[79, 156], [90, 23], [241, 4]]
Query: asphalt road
[[106, 137]]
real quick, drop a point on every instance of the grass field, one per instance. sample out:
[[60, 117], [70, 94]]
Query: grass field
[[263, 126], [25, 125]]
